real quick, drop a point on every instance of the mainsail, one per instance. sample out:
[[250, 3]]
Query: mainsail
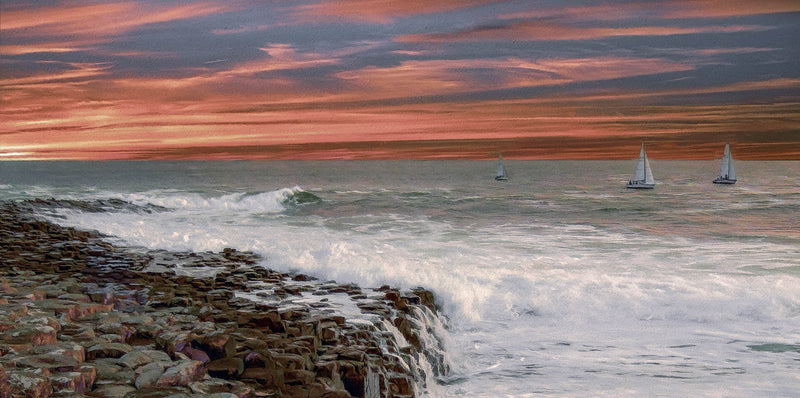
[[501, 170], [643, 176], [727, 173]]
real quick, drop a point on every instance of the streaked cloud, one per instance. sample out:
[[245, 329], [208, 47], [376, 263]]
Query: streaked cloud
[[398, 79], [548, 31], [378, 11], [100, 19]]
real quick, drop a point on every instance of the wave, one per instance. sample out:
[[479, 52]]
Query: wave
[[261, 202]]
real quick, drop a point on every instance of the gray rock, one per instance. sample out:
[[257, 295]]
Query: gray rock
[[148, 375], [108, 350], [112, 390], [137, 358], [182, 373]]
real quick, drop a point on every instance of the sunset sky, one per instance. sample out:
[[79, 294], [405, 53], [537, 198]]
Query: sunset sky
[[399, 79]]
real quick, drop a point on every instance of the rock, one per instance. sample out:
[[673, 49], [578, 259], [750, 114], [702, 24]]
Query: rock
[[196, 354], [174, 341], [149, 374], [109, 371], [290, 361], [181, 374], [5, 388], [299, 377], [108, 350], [70, 381], [28, 383], [221, 388], [52, 361], [269, 378], [28, 336], [111, 391], [226, 368], [66, 349], [137, 358], [259, 359], [216, 344]]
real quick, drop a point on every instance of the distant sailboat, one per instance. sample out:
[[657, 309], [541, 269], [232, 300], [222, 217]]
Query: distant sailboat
[[643, 177], [501, 174], [727, 173]]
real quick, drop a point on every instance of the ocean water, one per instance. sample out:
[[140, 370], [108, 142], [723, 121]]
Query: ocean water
[[559, 282]]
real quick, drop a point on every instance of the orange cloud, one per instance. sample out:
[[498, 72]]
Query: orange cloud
[[659, 10], [440, 77], [92, 23], [541, 31], [727, 8], [378, 11]]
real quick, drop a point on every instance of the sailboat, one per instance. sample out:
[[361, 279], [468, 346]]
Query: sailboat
[[727, 173], [501, 174], [643, 177]]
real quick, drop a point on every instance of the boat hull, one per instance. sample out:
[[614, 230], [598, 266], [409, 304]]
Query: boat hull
[[639, 185], [724, 181], [501, 178]]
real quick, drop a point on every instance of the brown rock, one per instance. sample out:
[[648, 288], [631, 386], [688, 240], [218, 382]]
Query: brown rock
[[181, 374], [111, 391], [216, 344], [26, 336], [5, 388], [269, 378], [226, 368], [30, 384], [108, 350], [299, 377]]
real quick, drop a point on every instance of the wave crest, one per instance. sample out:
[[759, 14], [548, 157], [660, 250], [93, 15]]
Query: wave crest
[[261, 202]]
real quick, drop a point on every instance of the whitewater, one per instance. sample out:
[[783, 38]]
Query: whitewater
[[559, 282]]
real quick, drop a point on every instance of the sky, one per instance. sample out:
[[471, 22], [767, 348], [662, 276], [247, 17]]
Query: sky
[[399, 79]]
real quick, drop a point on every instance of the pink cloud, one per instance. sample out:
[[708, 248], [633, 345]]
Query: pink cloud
[[549, 31], [378, 11], [96, 22]]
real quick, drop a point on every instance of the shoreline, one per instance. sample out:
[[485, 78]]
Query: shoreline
[[82, 317]]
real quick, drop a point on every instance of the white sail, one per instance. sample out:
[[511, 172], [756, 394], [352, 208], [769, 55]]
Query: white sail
[[501, 170], [648, 172], [641, 165], [727, 173], [726, 162], [643, 176]]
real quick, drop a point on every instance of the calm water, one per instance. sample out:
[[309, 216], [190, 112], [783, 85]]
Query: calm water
[[558, 282]]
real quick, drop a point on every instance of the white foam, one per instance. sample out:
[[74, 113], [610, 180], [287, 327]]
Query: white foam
[[578, 304]]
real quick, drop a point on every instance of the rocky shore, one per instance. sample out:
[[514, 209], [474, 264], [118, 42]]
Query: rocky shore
[[80, 317]]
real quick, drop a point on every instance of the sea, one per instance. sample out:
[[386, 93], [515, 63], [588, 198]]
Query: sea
[[558, 282]]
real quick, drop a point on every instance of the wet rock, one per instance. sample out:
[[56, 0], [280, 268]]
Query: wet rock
[[219, 387], [137, 358], [29, 383], [51, 361], [5, 387], [226, 368], [181, 374], [217, 344], [108, 350], [166, 327], [149, 374], [28, 336], [269, 378], [111, 391]]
